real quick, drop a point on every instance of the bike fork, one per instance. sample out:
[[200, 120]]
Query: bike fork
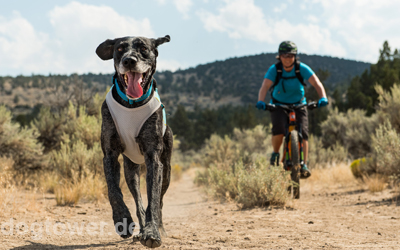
[[301, 145]]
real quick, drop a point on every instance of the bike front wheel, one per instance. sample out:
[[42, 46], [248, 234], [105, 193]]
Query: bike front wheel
[[295, 159]]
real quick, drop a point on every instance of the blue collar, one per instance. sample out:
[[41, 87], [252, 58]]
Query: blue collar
[[123, 95]]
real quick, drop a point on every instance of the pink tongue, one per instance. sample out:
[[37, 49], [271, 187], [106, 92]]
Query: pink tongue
[[134, 89]]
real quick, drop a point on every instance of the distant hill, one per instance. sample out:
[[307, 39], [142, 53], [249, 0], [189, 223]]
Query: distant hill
[[233, 81], [237, 80]]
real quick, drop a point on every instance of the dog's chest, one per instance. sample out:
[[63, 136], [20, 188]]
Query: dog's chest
[[129, 122]]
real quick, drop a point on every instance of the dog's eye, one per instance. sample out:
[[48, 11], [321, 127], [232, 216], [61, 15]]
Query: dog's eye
[[120, 49], [143, 49]]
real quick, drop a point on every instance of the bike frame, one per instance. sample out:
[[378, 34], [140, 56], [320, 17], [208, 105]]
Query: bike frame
[[287, 154]]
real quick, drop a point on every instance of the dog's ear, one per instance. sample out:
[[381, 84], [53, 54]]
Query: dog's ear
[[162, 40], [106, 49]]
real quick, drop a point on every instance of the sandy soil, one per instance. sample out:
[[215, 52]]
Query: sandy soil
[[341, 217]]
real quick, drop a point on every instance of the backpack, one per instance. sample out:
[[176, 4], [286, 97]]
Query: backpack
[[279, 68]]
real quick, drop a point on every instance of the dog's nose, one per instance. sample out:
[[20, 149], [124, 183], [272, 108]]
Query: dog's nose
[[129, 61]]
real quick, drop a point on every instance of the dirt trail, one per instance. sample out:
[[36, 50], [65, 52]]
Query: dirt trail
[[338, 218]]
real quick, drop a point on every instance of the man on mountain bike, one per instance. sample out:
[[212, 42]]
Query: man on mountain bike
[[285, 78]]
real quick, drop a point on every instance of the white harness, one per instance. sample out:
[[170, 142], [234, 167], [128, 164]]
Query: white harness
[[129, 121]]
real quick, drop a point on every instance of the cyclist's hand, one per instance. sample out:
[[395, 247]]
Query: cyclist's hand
[[322, 102], [261, 105]]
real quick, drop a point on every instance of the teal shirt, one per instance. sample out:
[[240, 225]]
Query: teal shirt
[[294, 89]]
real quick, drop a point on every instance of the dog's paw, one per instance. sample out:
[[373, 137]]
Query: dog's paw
[[151, 237], [137, 237], [124, 227]]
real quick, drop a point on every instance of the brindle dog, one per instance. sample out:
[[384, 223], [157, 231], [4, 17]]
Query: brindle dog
[[135, 64]]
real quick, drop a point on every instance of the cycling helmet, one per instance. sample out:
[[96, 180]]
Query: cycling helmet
[[287, 47]]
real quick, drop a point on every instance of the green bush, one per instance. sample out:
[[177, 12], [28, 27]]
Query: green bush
[[389, 105], [237, 168], [386, 142], [352, 129], [252, 185], [75, 160], [20, 144], [321, 157], [246, 145]]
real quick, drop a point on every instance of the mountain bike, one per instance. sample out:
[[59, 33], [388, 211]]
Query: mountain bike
[[293, 155]]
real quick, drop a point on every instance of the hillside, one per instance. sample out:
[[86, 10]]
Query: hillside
[[237, 80], [233, 81]]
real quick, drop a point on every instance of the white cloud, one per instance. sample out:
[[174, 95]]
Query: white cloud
[[363, 25], [351, 29], [280, 8], [238, 18], [183, 6], [242, 19], [312, 19], [21, 47], [77, 30], [80, 28], [170, 65]]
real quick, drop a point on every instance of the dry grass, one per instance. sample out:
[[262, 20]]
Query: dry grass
[[68, 194], [91, 188], [7, 187], [337, 175], [375, 183], [49, 181]]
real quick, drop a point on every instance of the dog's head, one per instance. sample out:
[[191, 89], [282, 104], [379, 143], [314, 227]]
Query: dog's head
[[134, 61]]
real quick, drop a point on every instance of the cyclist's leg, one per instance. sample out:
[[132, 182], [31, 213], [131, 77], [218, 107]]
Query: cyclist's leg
[[305, 149], [279, 120], [302, 118], [277, 142]]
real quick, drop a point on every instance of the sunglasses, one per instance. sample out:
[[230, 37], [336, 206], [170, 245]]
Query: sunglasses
[[287, 55]]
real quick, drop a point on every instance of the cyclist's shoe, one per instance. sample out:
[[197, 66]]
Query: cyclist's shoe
[[274, 161], [304, 172]]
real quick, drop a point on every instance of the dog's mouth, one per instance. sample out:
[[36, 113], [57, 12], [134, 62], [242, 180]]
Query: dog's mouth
[[134, 83]]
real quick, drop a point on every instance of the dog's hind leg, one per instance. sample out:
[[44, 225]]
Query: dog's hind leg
[[166, 161], [132, 177]]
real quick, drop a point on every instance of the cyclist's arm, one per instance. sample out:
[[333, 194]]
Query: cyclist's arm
[[316, 83], [267, 83]]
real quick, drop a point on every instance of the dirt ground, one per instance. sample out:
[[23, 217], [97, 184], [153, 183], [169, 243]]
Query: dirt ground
[[339, 217]]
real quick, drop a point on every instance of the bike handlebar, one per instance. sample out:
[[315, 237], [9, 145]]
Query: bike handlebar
[[310, 106]]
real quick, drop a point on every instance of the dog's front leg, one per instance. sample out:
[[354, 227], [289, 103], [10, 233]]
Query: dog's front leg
[[151, 235], [123, 221], [112, 147]]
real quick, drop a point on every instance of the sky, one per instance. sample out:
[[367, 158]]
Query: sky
[[60, 37]]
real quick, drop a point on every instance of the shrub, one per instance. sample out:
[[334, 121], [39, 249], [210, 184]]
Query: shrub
[[20, 144], [352, 129], [245, 145], [250, 186], [75, 160], [386, 142], [320, 157], [389, 105], [238, 169]]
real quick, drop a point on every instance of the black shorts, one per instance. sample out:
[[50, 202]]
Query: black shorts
[[280, 121]]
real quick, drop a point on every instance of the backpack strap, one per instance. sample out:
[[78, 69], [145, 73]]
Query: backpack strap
[[297, 71], [278, 77], [279, 71]]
